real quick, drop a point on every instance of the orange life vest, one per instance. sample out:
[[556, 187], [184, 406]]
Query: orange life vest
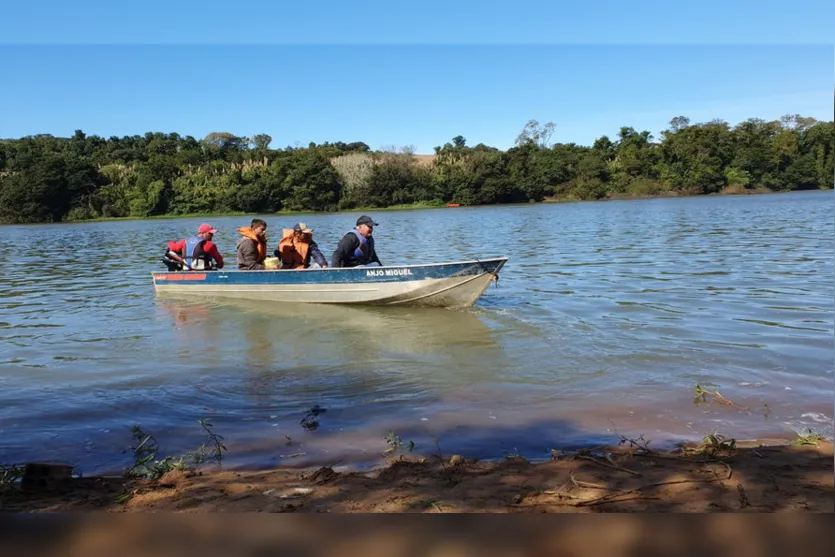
[[293, 253], [261, 244]]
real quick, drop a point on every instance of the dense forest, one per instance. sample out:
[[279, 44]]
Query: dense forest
[[46, 179]]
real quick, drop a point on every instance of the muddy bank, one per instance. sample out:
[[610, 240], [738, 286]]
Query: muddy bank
[[749, 479]]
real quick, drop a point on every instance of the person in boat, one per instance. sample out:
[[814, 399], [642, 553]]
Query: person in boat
[[296, 248], [357, 246], [195, 253], [251, 248]]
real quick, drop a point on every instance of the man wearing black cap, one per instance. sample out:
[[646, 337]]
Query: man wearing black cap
[[357, 246]]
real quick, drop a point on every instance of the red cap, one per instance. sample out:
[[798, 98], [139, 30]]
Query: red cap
[[206, 228]]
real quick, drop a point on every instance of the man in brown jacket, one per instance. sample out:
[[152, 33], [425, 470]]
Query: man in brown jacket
[[251, 250]]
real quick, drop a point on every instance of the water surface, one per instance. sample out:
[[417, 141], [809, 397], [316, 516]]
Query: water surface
[[602, 322]]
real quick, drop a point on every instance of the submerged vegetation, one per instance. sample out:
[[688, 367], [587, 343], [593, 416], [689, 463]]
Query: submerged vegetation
[[50, 179], [147, 465]]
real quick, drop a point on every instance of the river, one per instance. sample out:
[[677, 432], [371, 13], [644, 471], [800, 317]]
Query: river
[[603, 321]]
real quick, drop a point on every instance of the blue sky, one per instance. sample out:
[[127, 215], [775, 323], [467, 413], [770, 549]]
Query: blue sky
[[406, 76]]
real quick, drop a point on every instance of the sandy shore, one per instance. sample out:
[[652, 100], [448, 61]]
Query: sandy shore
[[750, 478]]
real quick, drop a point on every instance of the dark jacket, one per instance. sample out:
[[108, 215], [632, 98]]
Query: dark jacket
[[344, 256], [313, 252]]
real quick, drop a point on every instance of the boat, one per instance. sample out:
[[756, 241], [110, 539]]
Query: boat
[[452, 285], [453, 204]]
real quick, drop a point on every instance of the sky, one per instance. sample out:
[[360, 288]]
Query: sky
[[397, 74]]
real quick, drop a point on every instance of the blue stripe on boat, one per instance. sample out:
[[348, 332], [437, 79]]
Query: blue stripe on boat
[[354, 275]]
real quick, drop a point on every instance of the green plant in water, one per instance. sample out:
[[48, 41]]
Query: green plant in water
[[640, 444], [514, 455], [9, 475], [395, 444], [146, 464], [214, 442], [713, 443], [702, 394], [807, 436]]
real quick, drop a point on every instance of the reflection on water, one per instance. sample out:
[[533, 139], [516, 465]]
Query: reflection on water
[[606, 314], [271, 333]]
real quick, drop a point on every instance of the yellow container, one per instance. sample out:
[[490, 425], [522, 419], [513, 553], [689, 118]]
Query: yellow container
[[271, 263]]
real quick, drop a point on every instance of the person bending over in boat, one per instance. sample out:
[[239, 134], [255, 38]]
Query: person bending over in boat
[[297, 247], [252, 246], [357, 246], [195, 253]]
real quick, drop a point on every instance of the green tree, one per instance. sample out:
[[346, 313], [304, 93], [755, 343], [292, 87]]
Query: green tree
[[45, 178], [536, 133], [261, 141], [312, 183]]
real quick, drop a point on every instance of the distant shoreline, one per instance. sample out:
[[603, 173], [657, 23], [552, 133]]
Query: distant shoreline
[[88, 178], [421, 206]]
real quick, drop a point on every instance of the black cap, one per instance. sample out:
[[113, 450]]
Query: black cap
[[365, 219]]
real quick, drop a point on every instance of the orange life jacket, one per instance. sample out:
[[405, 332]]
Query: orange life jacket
[[293, 253], [261, 244]]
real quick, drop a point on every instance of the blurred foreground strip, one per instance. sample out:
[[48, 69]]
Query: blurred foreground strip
[[395, 536]]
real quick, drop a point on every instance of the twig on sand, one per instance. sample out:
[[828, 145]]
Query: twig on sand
[[610, 464], [730, 472], [616, 496], [563, 491], [586, 485], [559, 493], [678, 458]]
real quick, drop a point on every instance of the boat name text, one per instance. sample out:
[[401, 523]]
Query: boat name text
[[388, 272]]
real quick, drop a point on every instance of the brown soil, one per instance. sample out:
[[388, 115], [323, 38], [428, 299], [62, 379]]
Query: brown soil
[[773, 478]]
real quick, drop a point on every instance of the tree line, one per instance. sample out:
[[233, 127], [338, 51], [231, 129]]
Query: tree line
[[49, 179]]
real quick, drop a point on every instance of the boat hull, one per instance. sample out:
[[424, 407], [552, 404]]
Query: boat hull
[[458, 284]]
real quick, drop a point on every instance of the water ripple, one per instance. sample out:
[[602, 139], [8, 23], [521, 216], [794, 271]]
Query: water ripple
[[606, 313]]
